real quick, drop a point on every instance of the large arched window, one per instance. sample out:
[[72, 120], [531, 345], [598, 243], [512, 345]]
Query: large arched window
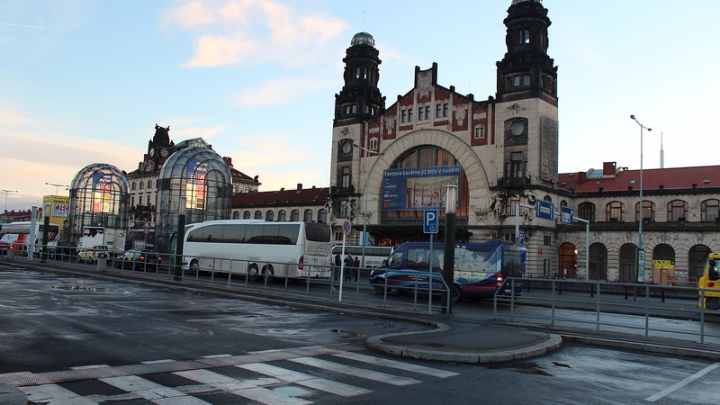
[[282, 216], [307, 216], [269, 215], [322, 216], [236, 214], [419, 191], [294, 215], [258, 214], [648, 211], [246, 215]]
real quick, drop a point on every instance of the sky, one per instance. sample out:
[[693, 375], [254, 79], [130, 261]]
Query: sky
[[85, 81]]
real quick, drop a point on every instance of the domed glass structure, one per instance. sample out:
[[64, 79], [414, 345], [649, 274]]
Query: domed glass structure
[[202, 180], [98, 199], [362, 38]]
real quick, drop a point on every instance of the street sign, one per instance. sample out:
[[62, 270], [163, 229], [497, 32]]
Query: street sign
[[347, 226], [146, 227], [566, 215], [544, 209], [430, 221], [521, 239]]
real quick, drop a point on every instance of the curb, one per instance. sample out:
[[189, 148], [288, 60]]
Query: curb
[[552, 342]]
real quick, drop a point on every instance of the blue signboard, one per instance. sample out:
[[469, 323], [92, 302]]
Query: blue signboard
[[418, 188], [566, 215], [430, 221], [545, 209]]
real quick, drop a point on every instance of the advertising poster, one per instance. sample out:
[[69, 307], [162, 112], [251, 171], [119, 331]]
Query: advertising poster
[[418, 188]]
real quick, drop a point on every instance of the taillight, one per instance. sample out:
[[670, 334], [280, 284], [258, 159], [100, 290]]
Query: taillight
[[499, 279], [300, 262], [710, 285]]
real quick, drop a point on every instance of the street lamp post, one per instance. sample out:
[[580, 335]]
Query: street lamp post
[[46, 229], [365, 215], [641, 252], [182, 209], [57, 186], [6, 196], [449, 247]]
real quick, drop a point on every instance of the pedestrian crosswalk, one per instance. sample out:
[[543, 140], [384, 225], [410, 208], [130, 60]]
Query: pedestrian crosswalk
[[293, 376]]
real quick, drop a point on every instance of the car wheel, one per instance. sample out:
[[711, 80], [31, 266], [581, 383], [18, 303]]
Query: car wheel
[[379, 286], [268, 273], [253, 273], [194, 267], [456, 294]]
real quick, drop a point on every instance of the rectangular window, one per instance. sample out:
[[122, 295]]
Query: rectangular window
[[526, 80], [480, 132], [421, 115], [547, 240], [427, 112], [438, 110], [404, 116], [446, 109], [410, 114], [516, 81]]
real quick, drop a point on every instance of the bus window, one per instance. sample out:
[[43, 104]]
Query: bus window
[[713, 272]]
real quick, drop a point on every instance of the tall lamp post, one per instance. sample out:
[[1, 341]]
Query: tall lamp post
[[57, 186], [182, 209], [46, 227], [365, 215], [641, 251], [449, 252], [6, 195]]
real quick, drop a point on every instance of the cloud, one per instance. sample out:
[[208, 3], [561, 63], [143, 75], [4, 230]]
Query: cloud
[[253, 32], [281, 91]]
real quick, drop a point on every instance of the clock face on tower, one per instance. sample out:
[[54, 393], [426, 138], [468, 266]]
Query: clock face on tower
[[164, 152]]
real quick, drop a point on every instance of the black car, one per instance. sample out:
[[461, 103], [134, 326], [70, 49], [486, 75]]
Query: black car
[[62, 251]]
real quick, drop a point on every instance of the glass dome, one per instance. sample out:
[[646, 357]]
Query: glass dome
[[362, 38], [98, 198], [203, 179]]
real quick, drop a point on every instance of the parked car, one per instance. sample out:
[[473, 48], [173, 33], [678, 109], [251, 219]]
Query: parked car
[[90, 254], [139, 259], [61, 250]]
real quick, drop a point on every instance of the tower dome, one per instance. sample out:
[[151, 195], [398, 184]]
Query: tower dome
[[362, 38]]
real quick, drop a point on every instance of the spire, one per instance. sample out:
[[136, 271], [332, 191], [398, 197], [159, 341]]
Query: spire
[[360, 99]]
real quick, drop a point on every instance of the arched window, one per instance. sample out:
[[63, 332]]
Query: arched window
[[322, 216], [294, 215], [258, 214], [614, 211], [246, 215], [142, 185], [133, 186], [236, 214], [307, 216], [677, 211], [149, 184], [282, 216], [648, 211], [269, 215], [586, 211], [710, 211]]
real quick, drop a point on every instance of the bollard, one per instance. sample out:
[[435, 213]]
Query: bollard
[[101, 262]]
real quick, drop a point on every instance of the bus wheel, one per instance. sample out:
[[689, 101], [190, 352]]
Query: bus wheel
[[194, 267], [253, 272], [268, 273], [456, 294]]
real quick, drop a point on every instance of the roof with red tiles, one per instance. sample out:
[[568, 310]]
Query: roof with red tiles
[[611, 178], [300, 196]]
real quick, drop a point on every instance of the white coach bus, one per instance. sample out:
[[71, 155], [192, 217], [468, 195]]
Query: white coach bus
[[253, 247]]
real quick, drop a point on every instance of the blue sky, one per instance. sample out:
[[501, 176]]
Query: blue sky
[[85, 81]]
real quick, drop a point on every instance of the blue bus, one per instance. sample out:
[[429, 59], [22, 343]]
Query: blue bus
[[480, 269]]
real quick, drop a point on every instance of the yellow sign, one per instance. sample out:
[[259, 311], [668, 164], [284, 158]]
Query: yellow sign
[[664, 264]]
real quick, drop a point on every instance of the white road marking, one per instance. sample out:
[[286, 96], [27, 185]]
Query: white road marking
[[434, 372], [55, 395], [156, 393], [307, 380], [682, 383], [356, 372], [241, 388]]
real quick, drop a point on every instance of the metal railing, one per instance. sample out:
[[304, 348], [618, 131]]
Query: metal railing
[[640, 309]]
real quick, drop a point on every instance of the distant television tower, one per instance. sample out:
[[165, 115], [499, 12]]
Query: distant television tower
[[662, 152]]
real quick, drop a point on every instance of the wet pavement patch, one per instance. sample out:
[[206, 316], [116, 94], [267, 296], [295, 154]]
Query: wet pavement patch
[[80, 288]]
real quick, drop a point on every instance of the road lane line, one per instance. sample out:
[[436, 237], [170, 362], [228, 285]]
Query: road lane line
[[434, 372], [153, 392], [355, 372], [54, 394], [682, 383], [307, 380]]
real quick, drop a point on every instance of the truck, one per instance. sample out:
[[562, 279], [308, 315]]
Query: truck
[[113, 238]]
